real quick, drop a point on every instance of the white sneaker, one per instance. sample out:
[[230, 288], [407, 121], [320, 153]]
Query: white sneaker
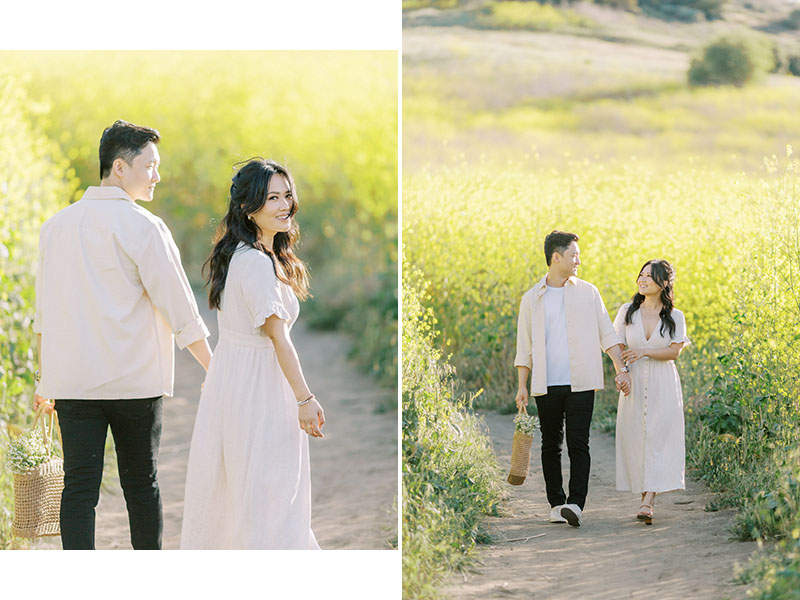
[[572, 514], [555, 514]]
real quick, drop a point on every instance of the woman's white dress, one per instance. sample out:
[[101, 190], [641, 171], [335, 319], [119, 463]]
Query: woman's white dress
[[650, 430], [248, 483]]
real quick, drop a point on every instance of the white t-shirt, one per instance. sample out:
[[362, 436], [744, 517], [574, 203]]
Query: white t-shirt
[[555, 337]]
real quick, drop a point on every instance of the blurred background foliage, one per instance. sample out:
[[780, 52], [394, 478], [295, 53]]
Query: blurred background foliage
[[648, 135], [330, 117]]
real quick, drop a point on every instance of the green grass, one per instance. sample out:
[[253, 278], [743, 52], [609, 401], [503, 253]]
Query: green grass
[[605, 139], [450, 475]]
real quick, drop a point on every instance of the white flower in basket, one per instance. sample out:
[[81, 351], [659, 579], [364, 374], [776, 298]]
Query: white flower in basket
[[28, 451], [526, 424]]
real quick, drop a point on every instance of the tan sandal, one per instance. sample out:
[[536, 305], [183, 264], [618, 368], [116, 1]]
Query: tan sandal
[[645, 514]]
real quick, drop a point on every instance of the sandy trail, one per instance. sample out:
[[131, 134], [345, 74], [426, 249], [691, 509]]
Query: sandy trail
[[353, 468], [685, 554]]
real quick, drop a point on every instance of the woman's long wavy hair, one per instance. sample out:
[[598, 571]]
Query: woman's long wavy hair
[[664, 275], [248, 194]]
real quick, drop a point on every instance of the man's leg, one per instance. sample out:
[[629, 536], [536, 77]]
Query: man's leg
[[579, 407], [83, 432], [136, 427], [551, 422]]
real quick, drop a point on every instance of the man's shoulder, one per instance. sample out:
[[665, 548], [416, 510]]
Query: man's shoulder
[[583, 284]]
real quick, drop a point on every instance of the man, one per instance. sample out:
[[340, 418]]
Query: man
[[563, 326], [110, 296]]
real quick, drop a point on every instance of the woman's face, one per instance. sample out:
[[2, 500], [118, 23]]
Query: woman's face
[[275, 215], [647, 287]]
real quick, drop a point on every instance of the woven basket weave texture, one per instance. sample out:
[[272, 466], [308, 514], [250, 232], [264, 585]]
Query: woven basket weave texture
[[37, 500], [520, 458]]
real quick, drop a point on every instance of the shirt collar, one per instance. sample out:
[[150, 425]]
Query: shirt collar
[[105, 192], [541, 285]]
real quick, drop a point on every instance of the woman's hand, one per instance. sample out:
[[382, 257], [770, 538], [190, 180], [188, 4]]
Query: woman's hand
[[631, 355], [521, 398], [623, 381], [49, 405], [311, 418]]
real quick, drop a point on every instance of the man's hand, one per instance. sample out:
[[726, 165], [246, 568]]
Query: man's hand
[[49, 405], [623, 381], [521, 398]]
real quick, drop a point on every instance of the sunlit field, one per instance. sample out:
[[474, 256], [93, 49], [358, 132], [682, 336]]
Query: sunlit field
[[511, 134], [331, 117]]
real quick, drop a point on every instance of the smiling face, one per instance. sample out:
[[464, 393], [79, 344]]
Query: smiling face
[[647, 286], [567, 263], [139, 178], [276, 213]]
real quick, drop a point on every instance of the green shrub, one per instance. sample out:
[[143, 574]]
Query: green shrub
[[731, 60], [793, 65], [35, 181], [793, 20], [450, 475]]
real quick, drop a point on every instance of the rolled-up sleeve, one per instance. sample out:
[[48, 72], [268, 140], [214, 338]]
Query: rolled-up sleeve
[[163, 277], [524, 339], [608, 335]]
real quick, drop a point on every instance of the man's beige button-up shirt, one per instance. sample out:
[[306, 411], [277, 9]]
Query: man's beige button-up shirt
[[110, 295], [589, 332]]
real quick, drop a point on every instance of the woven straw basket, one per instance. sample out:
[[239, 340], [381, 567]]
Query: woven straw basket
[[37, 493], [520, 457]]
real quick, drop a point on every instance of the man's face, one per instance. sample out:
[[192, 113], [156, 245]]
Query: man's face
[[139, 178], [568, 262]]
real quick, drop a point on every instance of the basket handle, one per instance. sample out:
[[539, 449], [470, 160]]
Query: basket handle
[[522, 409], [47, 432]]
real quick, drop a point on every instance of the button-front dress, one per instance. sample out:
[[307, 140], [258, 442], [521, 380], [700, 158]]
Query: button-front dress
[[650, 429], [248, 483]]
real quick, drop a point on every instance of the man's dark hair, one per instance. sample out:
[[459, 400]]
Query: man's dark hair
[[123, 140], [557, 241]]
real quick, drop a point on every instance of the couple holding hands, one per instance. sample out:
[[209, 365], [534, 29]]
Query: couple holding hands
[[563, 329], [111, 300]]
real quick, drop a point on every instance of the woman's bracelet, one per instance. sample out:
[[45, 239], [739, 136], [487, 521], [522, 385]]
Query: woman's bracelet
[[306, 401]]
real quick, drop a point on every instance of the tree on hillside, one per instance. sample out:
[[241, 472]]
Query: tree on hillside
[[732, 60]]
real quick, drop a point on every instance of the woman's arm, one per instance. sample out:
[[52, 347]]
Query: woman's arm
[[310, 415], [671, 352]]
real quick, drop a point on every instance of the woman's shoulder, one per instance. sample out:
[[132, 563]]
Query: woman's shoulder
[[250, 259], [624, 307], [677, 313]]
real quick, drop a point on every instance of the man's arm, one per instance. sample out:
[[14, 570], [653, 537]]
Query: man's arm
[[522, 388], [162, 275], [523, 360], [623, 379], [201, 352]]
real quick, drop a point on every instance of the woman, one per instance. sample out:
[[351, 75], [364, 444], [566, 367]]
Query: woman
[[650, 441], [248, 479]]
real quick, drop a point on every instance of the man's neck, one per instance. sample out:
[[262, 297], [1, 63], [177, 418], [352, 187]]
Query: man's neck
[[555, 279]]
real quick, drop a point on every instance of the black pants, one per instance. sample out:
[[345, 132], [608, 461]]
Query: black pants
[[557, 406], [136, 427]]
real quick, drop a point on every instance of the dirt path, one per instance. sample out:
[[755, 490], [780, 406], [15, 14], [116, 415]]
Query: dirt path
[[685, 554], [353, 469]]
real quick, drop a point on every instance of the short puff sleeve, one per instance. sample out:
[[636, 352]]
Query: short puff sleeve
[[619, 322], [261, 290], [680, 328]]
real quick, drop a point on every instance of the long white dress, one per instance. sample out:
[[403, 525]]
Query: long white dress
[[650, 432], [248, 483]]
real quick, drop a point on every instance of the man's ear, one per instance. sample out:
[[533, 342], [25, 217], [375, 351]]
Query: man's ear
[[118, 166]]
